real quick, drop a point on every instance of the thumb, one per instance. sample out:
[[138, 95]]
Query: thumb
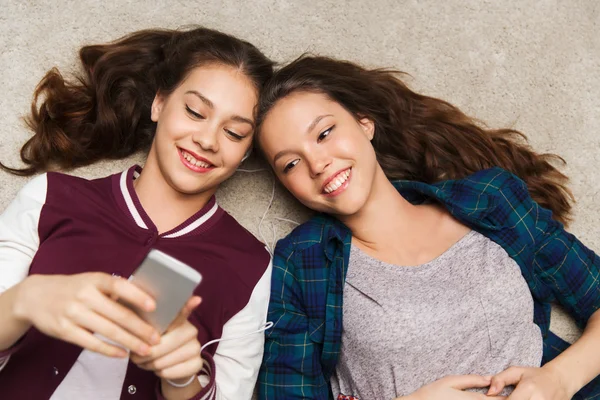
[[508, 377], [185, 312]]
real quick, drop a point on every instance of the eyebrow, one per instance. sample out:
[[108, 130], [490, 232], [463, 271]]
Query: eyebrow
[[281, 154], [211, 105], [310, 128], [206, 101], [316, 121]]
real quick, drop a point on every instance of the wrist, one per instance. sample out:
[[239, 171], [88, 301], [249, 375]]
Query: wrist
[[568, 382], [19, 307], [170, 392], [183, 382]]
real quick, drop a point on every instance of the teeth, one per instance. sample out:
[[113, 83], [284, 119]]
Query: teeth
[[193, 160], [337, 182]]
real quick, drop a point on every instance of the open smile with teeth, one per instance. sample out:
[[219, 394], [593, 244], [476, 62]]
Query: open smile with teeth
[[337, 182], [193, 161]]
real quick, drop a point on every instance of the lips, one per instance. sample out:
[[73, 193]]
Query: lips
[[336, 181], [194, 161]]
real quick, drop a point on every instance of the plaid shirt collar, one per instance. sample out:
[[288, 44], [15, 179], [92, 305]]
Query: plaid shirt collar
[[453, 194]]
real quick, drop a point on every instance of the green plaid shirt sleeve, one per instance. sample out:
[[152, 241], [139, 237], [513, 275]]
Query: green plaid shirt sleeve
[[568, 271], [291, 366]]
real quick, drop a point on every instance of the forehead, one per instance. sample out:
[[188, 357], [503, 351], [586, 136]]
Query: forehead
[[298, 110], [221, 84], [286, 124]]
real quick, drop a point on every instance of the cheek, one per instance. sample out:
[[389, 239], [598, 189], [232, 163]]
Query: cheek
[[161, 138], [230, 152], [352, 144], [300, 187], [173, 127]]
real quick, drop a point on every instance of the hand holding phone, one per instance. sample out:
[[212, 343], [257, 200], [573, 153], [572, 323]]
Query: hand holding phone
[[177, 358], [170, 282]]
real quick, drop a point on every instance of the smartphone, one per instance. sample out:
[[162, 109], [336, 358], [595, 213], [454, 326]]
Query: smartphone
[[170, 282]]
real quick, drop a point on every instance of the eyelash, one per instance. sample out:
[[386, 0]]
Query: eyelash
[[289, 166], [193, 113], [196, 115], [235, 136], [322, 136]]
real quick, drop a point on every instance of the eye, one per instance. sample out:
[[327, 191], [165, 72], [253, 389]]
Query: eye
[[193, 113], [324, 134], [289, 166], [234, 135]]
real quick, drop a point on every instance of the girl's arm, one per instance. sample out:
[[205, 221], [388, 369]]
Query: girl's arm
[[570, 273], [81, 304], [19, 242], [562, 377], [291, 367]]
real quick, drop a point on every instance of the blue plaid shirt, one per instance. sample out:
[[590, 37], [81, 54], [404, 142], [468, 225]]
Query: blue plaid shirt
[[310, 264]]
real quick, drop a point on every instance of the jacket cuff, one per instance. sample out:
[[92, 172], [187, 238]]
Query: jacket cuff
[[208, 392]]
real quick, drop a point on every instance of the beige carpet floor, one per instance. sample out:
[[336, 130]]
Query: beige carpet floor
[[529, 64]]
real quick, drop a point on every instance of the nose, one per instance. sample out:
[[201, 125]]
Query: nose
[[207, 139], [317, 163]]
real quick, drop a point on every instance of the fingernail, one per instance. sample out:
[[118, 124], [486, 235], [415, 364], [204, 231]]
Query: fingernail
[[149, 304], [155, 339], [143, 350]]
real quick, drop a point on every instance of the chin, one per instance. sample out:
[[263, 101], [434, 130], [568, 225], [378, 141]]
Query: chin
[[187, 187], [348, 208], [345, 212]]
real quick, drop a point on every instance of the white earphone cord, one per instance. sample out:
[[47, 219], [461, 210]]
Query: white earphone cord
[[268, 325], [270, 245]]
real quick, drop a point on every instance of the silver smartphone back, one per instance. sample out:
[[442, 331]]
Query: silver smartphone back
[[170, 282]]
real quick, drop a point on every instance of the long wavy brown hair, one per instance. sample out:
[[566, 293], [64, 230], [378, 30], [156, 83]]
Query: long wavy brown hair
[[419, 137], [104, 112]]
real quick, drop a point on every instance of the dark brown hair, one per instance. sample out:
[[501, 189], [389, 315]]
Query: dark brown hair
[[419, 137], [104, 112]]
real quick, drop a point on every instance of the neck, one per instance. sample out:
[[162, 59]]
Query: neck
[[385, 217], [166, 207]]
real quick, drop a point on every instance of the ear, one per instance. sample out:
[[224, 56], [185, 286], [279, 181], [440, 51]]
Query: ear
[[157, 106], [368, 127]]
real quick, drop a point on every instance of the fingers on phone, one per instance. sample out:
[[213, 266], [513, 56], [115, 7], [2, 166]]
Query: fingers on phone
[[185, 312], [188, 351], [86, 340], [194, 302], [171, 341], [103, 326], [125, 318], [123, 289]]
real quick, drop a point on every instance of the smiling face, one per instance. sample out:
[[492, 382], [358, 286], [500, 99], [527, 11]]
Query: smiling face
[[320, 152], [204, 128]]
